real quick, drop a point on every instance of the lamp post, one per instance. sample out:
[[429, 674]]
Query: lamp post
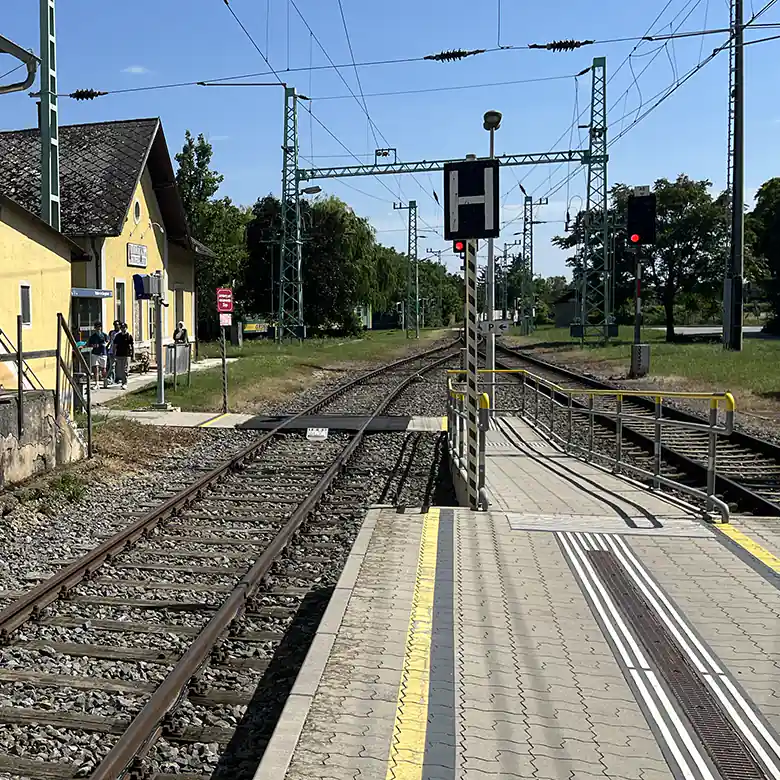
[[491, 123], [158, 320]]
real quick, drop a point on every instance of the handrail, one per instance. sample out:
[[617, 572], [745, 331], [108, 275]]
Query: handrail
[[727, 397], [549, 396], [62, 327]]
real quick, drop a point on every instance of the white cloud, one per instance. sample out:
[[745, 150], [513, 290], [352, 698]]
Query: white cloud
[[137, 70]]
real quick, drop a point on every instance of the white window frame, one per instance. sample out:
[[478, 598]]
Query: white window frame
[[137, 207], [123, 318], [22, 285]]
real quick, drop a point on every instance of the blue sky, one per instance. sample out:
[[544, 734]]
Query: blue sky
[[111, 45]]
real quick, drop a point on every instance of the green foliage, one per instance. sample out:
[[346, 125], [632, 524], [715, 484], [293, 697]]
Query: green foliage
[[762, 233], [217, 223], [689, 255], [71, 486], [343, 268]]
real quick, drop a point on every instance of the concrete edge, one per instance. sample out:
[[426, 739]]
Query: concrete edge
[[281, 747]]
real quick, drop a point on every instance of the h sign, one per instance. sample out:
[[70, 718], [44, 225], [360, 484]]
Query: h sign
[[471, 200]]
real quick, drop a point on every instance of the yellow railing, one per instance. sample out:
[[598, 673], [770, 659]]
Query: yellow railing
[[555, 409]]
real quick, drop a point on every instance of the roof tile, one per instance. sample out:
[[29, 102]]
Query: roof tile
[[100, 164]]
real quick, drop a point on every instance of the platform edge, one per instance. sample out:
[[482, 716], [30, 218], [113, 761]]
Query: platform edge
[[284, 740]]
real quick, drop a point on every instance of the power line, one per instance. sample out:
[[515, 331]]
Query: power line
[[252, 40], [453, 88], [671, 89], [357, 73]]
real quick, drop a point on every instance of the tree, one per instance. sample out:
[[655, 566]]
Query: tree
[[219, 224], [762, 234], [196, 181], [690, 250]]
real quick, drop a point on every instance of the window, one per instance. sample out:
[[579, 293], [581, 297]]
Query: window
[[137, 211], [119, 308], [25, 304], [178, 305], [151, 320]]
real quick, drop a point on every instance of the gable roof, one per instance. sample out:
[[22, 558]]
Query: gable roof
[[100, 166], [76, 252]]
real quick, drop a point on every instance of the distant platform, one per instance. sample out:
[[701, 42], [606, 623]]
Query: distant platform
[[247, 422]]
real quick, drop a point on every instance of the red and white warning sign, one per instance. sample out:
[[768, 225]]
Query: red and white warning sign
[[224, 300]]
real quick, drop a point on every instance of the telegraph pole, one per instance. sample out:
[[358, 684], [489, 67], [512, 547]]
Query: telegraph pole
[[733, 325]]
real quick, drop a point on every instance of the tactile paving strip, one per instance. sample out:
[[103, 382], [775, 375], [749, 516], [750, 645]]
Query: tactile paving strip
[[725, 746]]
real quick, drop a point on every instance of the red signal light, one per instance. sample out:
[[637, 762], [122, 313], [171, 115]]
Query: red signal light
[[460, 246], [635, 238]]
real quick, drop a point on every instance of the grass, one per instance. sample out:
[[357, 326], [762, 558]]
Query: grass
[[265, 370], [753, 375]]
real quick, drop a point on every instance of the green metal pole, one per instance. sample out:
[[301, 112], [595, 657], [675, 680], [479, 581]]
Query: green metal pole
[[50, 158]]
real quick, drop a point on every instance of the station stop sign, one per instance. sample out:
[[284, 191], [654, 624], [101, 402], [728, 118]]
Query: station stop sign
[[224, 300]]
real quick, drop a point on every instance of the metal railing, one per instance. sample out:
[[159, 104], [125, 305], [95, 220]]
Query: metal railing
[[17, 355], [72, 365], [457, 438], [568, 416]]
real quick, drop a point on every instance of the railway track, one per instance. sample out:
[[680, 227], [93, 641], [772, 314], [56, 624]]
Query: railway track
[[748, 467], [146, 656]]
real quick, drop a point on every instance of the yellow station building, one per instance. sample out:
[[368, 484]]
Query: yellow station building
[[121, 214]]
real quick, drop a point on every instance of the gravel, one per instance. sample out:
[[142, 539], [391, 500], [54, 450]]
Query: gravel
[[381, 471], [30, 540]]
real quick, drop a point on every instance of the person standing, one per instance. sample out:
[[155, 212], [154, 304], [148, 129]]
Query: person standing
[[180, 334], [110, 378], [97, 342], [123, 352]]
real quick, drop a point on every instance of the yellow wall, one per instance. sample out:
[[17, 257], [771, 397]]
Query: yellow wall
[[181, 273], [30, 253], [116, 269]]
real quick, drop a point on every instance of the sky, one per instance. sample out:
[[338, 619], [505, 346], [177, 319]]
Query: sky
[[112, 46]]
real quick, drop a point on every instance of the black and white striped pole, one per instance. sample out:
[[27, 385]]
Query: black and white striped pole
[[471, 212]]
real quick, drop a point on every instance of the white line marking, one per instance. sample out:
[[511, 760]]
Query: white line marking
[[597, 604], [665, 601], [609, 603], [662, 725], [678, 724], [746, 732], [657, 607], [746, 708]]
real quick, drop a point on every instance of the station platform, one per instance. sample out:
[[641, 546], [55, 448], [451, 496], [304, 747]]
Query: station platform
[[582, 627]]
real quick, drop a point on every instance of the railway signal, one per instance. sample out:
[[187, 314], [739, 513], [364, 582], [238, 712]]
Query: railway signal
[[640, 219], [459, 247]]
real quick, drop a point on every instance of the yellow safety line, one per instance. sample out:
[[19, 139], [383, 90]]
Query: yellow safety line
[[754, 548], [212, 420], [407, 750], [444, 423]]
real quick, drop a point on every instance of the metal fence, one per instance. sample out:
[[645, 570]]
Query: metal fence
[[178, 362], [568, 416]]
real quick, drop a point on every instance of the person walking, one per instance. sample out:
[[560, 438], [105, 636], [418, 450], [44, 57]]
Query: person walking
[[98, 341], [110, 377], [123, 351], [180, 334]]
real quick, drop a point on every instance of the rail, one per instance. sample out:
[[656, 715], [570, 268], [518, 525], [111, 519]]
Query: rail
[[457, 440], [147, 725], [561, 413]]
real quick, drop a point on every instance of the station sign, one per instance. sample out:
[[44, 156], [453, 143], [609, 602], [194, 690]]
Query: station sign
[[224, 300]]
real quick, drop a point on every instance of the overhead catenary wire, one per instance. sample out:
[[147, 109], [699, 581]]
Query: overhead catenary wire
[[661, 96]]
